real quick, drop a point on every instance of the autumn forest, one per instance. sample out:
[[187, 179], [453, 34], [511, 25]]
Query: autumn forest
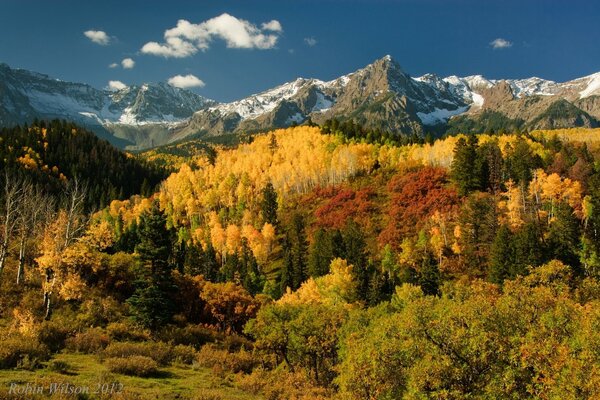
[[312, 262]]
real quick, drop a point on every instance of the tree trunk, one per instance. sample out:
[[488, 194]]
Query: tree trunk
[[3, 253], [21, 269]]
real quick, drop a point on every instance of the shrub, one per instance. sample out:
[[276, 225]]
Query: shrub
[[220, 360], [160, 352], [281, 384], [59, 366], [134, 365], [184, 354], [23, 352], [90, 341], [191, 335], [235, 342], [52, 335], [122, 331]]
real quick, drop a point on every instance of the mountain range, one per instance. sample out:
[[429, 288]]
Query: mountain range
[[379, 96]]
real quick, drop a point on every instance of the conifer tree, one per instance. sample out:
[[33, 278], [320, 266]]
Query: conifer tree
[[298, 249], [152, 302], [320, 255], [502, 256], [429, 275], [269, 204], [355, 254], [466, 166]]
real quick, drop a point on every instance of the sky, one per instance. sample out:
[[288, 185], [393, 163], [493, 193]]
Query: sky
[[226, 50]]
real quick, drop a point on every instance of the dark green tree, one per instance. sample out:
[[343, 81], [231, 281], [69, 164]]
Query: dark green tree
[[355, 253], [269, 204], [564, 235], [298, 251], [429, 275], [320, 254], [502, 256], [152, 303], [466, 166]]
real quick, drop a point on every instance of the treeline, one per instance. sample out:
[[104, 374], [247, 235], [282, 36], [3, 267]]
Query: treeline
[[352, 130], [52, 153]]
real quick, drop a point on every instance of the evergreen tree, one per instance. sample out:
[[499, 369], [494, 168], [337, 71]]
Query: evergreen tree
[[429, 275], [355, 254], [564, 237], [152, 302], [194, 258], [286, 273], [210, 265], [529, 250], [502, 257], [298, 250], [321, 254], [466, 166], [269, 204]]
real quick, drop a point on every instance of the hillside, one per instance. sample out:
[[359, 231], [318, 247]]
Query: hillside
[[316, 263], [52, 154]]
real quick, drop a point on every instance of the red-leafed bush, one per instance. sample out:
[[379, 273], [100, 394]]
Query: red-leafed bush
[[415, 196], [344, 205]]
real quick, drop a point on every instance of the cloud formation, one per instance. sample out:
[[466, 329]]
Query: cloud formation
[[116, 85], [113, 65], [500, 43], [273, 26], [128, 63], [310, 41], [186, 38], [185, 82], [98, 37]]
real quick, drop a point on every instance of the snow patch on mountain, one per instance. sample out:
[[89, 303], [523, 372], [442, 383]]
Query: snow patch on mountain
[[323, 104], [439, 116], [592, 87]]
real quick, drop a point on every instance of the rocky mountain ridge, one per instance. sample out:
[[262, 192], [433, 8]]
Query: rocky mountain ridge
[[380, 96]]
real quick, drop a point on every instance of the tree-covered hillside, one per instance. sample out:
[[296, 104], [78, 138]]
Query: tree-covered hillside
[[332, 263], [53, 153]]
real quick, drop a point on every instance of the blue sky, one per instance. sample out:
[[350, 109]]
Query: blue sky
[[260, 44]]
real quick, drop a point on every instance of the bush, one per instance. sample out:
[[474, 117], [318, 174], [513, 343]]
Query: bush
[[191, 335], [184, 354], [221, 361], [160, 352], [90, 341], [59, 366], [52, 335], [281, 384], [121, 331], [134, 365], [23, 352]]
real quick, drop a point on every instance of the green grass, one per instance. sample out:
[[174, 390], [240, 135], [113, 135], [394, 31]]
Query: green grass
[[176, 382]]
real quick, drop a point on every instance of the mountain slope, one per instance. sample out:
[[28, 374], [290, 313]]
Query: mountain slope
[[120, 117], [379, 96]]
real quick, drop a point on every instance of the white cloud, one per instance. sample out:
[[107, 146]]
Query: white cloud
[[116, 85], [186, 38], [185, 82], [128, 63], [273, 26], [311, 41], [500, 43], [99, 37], [113, 65]]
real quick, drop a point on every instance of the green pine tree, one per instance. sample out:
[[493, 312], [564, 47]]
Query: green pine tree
[[152, 303], [502, 257], [269, 204], [320, 254]]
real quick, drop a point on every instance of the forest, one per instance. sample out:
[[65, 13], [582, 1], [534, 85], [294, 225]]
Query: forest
[[306, 263]]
